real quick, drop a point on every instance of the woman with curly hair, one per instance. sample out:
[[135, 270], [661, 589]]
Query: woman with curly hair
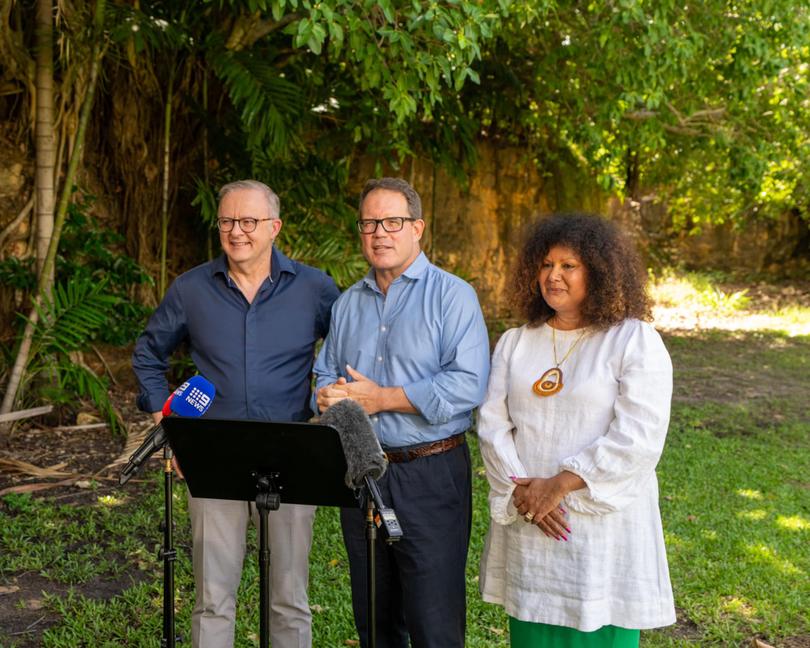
[[571, 430]]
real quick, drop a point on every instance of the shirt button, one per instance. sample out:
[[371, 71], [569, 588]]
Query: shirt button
[[382, 328], [379, 358], [374, 418]]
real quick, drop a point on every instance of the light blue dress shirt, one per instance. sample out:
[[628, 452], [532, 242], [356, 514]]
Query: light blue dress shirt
[[426, 335]]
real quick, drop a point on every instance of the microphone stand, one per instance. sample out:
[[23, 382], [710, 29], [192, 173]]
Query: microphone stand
[[371, 585], [377, 515], [267, 500], [168, 553]]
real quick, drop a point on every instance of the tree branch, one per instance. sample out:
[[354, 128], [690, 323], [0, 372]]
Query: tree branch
[[695, 125], [249, 29], [8, 229]]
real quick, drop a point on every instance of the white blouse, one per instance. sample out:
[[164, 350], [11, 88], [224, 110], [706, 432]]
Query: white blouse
[[607, 425]]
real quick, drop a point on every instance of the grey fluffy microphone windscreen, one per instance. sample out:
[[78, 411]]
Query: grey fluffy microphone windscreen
[[364, 456]]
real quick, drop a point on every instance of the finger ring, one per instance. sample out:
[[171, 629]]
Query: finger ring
[[529, 516]]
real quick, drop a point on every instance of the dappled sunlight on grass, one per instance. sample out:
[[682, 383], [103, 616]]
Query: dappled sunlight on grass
[[793, 522], [739, 606], [764, 553], [110, 500], [674, 541], [706, 301], [673, 318], [697, 291], [732, 508]]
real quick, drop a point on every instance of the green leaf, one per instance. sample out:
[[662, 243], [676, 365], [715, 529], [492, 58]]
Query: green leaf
[[316, 39]]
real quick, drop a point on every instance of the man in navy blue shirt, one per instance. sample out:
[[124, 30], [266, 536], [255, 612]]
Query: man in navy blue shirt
[[251, 318]]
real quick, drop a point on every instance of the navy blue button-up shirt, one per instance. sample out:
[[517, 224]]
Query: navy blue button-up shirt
[[258, 355]]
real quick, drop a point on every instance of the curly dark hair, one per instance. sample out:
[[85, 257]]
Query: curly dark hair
[[616, 279]]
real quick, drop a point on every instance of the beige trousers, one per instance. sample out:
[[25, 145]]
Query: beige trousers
[[219, 537]]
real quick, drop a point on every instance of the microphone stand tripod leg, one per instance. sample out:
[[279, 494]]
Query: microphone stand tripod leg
[[371, 536], [167, 553], [264, 579], [267, 500]]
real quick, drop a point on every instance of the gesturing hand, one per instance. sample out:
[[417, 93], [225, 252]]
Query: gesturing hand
[[364, 390]]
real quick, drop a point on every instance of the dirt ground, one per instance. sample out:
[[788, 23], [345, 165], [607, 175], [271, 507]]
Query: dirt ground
[[78, 455], [724, 365]]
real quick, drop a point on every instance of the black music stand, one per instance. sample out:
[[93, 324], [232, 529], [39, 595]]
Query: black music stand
[[265, 463]]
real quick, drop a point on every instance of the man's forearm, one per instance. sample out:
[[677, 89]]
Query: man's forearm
[[373, 398], [394, 399]]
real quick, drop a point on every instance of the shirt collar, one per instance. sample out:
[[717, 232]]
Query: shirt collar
[[279, 263], [414, 271]]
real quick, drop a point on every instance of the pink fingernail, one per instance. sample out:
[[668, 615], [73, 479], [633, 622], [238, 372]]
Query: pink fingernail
[[557, 539], [564, 538], [512, 477], [567, 529], [564, 512]]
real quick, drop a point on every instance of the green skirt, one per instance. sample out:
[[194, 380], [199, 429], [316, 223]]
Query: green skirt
[[525, 634]]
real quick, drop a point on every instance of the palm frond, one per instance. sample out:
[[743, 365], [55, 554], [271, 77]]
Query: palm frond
[[68, 320], [72, 316], [270, 106], [333, 250], [73, 381], [205, 201]]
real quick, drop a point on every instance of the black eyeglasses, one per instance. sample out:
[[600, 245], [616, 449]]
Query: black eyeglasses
[[390, 224], [247, 225]]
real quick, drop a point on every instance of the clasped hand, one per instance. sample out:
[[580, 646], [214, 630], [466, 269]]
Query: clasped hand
[[362, 389], [541, 497]]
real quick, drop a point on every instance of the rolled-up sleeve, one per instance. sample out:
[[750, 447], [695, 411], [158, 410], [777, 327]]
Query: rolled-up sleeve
[[618, 465], [461, 383], [150, 359], [326, 367]]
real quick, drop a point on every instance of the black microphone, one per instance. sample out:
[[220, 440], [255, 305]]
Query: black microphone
[[365, 460], [190, 399]]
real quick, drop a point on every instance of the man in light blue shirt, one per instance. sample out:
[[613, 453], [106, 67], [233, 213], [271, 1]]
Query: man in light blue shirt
[[408, 342]]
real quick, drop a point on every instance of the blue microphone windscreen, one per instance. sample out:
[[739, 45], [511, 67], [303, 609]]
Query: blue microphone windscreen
[[193, 397]]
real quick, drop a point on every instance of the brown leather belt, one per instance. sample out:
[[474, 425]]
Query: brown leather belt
[[401, 455]]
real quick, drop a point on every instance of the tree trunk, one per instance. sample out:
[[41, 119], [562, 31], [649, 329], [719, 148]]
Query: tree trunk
[[46, 154], [45, 276], [632, 182], [164, 213], [206, 174]]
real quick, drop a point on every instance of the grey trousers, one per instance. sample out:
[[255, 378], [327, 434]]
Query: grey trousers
[[219, 537]]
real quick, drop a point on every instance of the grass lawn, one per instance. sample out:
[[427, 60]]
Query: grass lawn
[[735, 498]]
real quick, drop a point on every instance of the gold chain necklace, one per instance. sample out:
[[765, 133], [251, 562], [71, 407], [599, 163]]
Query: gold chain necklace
[[551, 381]]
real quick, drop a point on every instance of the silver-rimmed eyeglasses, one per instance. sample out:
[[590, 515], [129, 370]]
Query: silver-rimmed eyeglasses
[[390, 224], [247, 225]]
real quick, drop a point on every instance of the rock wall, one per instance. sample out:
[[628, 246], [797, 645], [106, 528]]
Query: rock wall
[[475, 232]]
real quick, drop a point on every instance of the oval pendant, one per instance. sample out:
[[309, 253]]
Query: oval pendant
[[550, 383]]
